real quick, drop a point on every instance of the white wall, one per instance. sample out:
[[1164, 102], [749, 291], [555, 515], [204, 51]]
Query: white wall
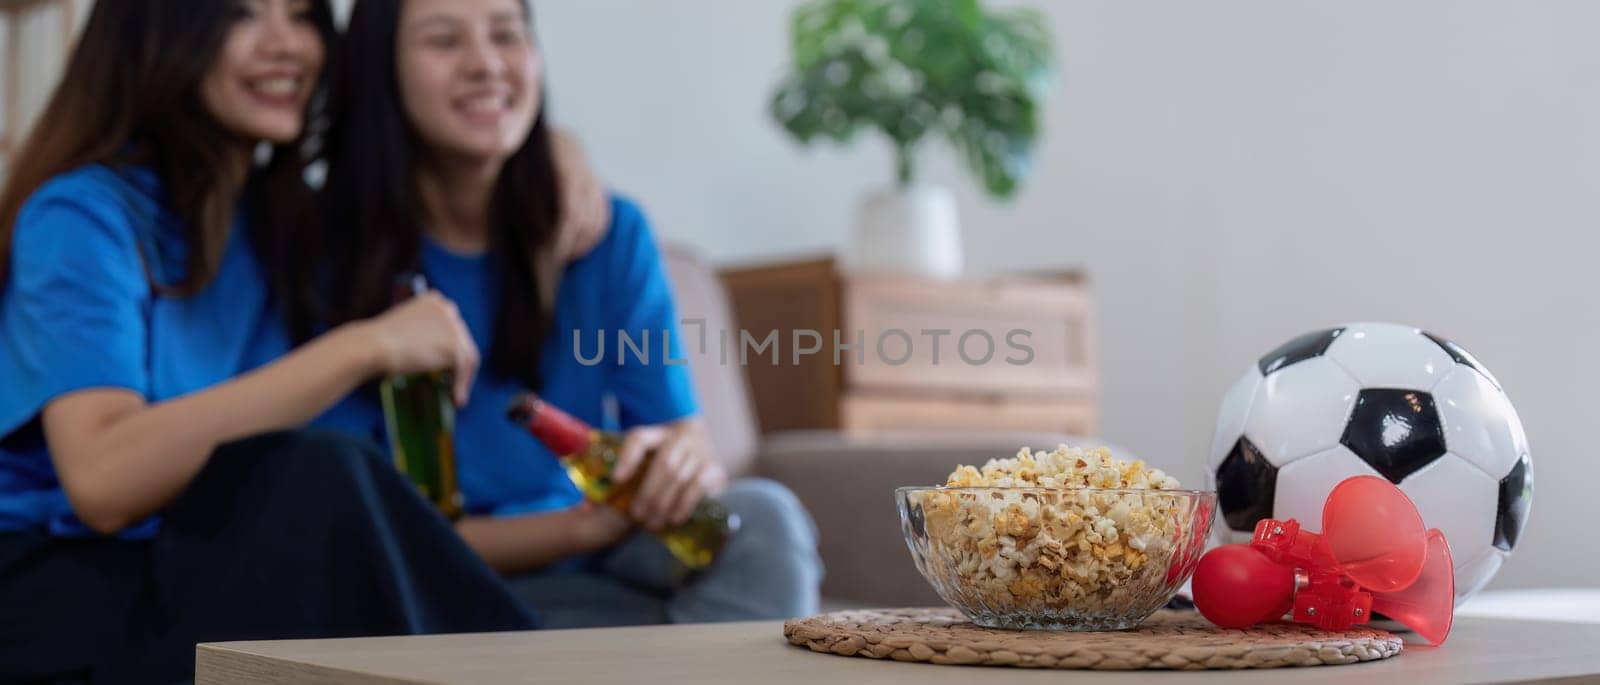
[[1231, 172], [43, 48]]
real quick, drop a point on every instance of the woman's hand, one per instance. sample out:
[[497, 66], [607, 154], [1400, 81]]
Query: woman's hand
[[519, 544], [422, 334], [681, 472], [585, 209]]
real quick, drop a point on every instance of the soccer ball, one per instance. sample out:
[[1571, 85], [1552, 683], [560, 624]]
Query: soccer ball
[[1385, 400]]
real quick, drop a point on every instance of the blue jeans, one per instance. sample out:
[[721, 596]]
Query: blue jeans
[[768, 570]]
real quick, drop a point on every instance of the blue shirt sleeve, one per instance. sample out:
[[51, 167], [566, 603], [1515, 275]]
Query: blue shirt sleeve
[[74, 302], [659, 389]]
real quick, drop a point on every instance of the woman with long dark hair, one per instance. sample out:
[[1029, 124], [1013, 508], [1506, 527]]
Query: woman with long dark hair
[[441, 163], [151, 494]]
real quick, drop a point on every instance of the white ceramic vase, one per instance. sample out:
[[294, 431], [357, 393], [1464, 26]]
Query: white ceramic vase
[[914, 230]]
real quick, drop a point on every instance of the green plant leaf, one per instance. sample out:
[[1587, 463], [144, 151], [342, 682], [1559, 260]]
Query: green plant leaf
[[911, 68]]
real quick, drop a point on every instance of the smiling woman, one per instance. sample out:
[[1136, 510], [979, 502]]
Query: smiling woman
[[442, 163], [474, 118], [265, 74], [154, 490]]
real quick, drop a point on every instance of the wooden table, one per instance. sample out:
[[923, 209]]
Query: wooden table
[[1480, 650]]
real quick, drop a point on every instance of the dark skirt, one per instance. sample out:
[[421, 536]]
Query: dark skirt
[[288, 535]]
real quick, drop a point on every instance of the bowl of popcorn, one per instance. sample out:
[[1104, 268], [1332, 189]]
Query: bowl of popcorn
[[1070, 539]]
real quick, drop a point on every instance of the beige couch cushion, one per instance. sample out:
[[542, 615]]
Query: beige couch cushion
[[720, 387]]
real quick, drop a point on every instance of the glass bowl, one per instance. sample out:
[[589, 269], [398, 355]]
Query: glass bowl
[[1054, 558]]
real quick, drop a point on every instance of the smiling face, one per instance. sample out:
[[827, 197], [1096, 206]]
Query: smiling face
[[468, 75], [266, 72]]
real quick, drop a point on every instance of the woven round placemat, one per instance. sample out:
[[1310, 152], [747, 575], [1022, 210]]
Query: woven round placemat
[[1168, 640]]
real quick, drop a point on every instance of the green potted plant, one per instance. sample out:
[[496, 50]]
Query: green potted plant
[[915, 70]]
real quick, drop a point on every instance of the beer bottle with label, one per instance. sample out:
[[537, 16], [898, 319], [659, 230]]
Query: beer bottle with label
[[591, 455]]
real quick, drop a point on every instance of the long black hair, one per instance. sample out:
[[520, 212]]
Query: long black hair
[[131, 95], [375, 218]]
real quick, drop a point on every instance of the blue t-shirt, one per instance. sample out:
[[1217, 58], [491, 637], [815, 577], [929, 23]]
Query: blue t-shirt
[[619, 288], [77, 311]]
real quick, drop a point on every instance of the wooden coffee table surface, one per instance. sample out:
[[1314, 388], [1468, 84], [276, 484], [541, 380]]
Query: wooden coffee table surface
[[1480, 650]]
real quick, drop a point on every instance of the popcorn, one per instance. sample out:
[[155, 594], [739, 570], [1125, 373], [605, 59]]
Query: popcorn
[[1070, 551]]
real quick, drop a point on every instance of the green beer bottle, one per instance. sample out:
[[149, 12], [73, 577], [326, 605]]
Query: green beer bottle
[[420, 418]]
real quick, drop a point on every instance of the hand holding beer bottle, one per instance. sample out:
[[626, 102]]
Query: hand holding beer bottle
[[419, 415], [591, 457]]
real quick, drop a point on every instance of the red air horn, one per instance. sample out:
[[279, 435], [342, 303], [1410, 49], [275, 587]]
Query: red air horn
[[1373, 555]]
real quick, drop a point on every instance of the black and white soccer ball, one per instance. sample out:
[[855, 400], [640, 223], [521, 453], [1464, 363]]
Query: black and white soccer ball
[[1376, 399]]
